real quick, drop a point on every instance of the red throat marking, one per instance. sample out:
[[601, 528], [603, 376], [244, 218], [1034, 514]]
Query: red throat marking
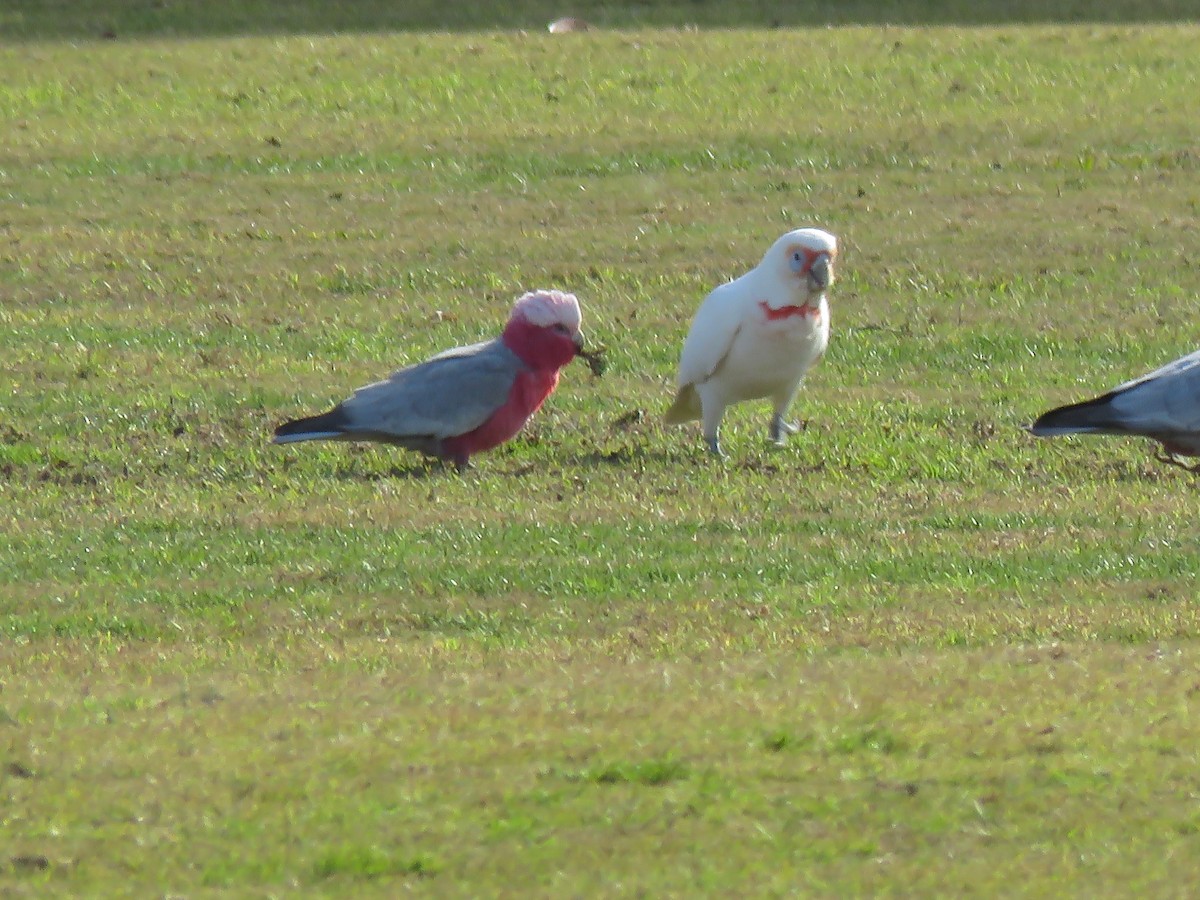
[[786, 312]]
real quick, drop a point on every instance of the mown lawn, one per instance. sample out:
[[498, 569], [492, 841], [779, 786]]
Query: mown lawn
[[915, 652]]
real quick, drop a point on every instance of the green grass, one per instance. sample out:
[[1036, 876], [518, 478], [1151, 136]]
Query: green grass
[[106, 20], [916, 652]]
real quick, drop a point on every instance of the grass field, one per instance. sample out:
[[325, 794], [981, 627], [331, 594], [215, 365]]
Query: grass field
[[916, 652]]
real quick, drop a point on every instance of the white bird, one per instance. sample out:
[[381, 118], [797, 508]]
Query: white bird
[[1163, 405], [758, 335]]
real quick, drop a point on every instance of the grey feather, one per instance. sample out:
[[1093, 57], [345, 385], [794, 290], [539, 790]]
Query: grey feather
[[451, 394], [1163, 404], [418, 407]]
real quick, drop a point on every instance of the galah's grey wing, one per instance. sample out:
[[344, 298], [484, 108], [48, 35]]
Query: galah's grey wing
[[1163, 404], [469, 350], [451, 394], [1171, 369]]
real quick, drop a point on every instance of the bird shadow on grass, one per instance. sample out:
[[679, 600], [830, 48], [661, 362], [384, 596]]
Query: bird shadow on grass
[[627, 456], [692, 458], [791, 466], [415, 469]]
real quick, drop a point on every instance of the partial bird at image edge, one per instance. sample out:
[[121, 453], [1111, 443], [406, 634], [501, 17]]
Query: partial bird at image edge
[[1163, 405]]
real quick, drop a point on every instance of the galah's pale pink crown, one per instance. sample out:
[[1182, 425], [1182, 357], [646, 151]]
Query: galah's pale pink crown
[[546, 308]]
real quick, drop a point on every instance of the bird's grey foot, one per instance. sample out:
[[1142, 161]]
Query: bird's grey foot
[[714, 447], [780, 429], [1172, 460]]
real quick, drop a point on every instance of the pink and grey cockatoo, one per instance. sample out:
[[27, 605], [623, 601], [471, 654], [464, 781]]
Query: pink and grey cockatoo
[[758, 335], [1163, 405], [463, 401]]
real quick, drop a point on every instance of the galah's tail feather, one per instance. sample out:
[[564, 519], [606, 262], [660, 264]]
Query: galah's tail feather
[[325, 427], [1088, 417]]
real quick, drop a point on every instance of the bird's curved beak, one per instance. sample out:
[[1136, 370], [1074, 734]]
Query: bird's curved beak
[[820, 274], [594, 358]]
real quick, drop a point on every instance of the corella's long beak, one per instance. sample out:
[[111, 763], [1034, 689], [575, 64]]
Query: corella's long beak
[[820, 275], [579, 342]]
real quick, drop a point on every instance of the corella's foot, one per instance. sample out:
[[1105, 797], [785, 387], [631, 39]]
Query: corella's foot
[[714, 447], [781, 429]]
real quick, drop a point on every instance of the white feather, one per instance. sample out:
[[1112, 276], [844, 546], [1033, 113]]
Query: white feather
[[749, 338]]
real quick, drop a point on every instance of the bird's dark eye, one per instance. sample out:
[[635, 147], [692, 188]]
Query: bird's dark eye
[[561, 329], [796, 256]]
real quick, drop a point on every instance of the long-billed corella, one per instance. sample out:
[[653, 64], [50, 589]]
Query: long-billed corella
[[757, 336]]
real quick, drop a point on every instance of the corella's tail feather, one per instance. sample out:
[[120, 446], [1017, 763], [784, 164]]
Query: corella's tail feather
[[328, 426], [686, 407], [1089, 417]]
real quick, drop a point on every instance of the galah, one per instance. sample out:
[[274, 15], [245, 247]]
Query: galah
[[463, 401], [1163, 405], [757, 336]]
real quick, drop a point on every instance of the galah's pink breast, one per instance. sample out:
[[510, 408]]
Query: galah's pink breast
[[529, 392]]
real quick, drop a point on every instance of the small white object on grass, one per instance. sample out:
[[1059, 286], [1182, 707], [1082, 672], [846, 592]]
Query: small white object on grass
[[568, 24]]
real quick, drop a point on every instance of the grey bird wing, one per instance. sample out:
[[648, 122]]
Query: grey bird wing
[[1163, 404], [450, 394], [1165, 401]]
